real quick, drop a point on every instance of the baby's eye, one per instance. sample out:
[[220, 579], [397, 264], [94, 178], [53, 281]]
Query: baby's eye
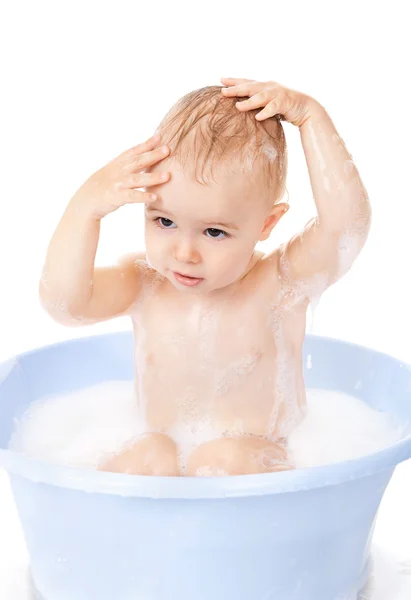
[[166, 223], [216, 234]]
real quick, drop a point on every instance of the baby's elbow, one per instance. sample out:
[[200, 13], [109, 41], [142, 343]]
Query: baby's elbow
[[60, 311], [350, 246], [362, 222], [357, 222], [365, 215]]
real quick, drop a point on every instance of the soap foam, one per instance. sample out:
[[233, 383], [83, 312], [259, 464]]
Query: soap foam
[[340, 427], [81, 427], [84, 427]]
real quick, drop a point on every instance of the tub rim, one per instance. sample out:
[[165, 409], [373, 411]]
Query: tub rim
[[191, 488]]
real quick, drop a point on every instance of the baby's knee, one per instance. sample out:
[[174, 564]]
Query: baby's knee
[[153, 454], [241, 455]]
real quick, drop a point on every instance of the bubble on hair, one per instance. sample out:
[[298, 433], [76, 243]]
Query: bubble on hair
[[270, 152], [205, 131]]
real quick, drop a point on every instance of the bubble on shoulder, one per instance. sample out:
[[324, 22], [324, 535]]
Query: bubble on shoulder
[[151, 277], [141, 263]]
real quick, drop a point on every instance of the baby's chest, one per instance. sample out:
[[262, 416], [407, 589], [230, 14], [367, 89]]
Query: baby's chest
[[204, 335]]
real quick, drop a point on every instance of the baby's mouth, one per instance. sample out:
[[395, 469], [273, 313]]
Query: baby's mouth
[[187, 280]]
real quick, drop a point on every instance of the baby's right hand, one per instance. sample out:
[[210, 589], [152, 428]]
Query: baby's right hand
[[115, 184]]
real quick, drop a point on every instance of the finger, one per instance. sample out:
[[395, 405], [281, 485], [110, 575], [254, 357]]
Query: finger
[[139, 162], [138, 197], [269, 111], [141, 180], [244, 89], [149, 144], [256, 101]]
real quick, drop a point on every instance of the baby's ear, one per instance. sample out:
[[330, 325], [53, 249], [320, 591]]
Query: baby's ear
[[271, 221]]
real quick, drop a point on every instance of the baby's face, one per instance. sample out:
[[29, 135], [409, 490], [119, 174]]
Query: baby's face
[[204, 232]]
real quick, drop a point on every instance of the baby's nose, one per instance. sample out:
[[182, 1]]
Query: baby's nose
[[186, 252]]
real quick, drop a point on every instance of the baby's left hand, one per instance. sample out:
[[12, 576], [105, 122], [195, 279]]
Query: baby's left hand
[[272, 97]]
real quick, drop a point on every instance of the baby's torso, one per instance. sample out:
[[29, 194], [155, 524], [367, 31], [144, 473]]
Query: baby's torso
[[233, 360]]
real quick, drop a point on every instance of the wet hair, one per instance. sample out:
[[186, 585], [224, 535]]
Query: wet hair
[[205, 131]]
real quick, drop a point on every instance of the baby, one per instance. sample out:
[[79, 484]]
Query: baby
[[219, 326]]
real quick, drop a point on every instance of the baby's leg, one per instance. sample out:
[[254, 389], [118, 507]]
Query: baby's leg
[[152, 454], [240, 455]]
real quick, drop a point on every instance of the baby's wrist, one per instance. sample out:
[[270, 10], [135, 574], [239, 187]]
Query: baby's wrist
[[83, 208], [314, 111]]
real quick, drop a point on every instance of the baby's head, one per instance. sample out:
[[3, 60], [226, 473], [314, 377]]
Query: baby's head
[[228, 174]]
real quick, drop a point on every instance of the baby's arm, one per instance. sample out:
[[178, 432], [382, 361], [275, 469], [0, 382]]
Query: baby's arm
[[71, 289], [330, 243]]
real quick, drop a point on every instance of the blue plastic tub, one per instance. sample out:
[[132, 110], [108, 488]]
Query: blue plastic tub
[[297, 535]]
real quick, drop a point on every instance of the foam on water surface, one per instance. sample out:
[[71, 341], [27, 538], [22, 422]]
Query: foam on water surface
[[340, 427], [80, 427], [84, 427]]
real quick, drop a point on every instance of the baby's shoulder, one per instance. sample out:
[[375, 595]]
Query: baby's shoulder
[[261, 281], [266, 266], [137, 264], [138, 268], [270, 280]]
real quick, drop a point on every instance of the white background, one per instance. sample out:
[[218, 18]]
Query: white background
[[83, 81]]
